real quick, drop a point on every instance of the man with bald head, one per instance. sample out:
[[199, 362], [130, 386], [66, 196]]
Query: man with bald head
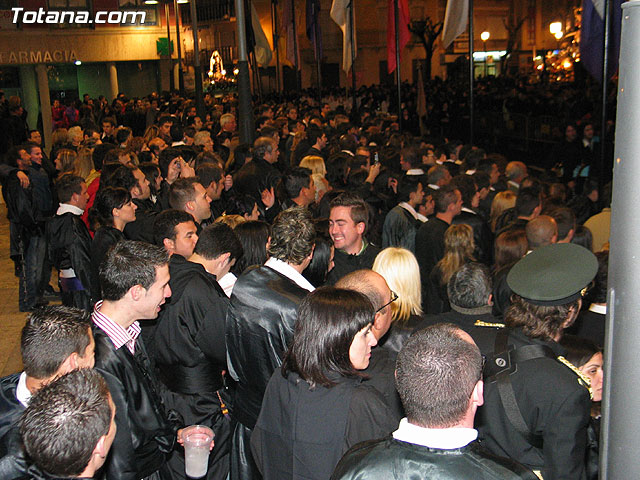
[[382, 363], [541, 231]]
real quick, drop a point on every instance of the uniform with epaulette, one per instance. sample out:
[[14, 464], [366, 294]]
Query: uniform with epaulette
[[536, 404]]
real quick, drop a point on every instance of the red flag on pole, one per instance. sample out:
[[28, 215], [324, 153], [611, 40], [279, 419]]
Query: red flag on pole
[[404, 35]]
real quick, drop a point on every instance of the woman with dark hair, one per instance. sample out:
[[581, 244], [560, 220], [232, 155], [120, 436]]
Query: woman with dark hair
[[586, 355], [111, 211], [154, 177], [317, 406], [254, 236], [243, 205], [322, 261], [509, 247]]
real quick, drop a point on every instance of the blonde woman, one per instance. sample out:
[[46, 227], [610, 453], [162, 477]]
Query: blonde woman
[[315, 164], [400, 269], [65, 161], [83, 166], [502, 202], [458, 250]]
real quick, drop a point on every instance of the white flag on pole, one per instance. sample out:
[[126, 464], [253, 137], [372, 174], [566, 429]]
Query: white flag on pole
[[456, 18], [340, 13]]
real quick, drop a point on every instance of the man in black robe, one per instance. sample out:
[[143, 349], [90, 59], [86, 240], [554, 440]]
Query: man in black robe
[[189, 344]]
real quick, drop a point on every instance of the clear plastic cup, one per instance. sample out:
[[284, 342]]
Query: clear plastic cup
[[197, 442]]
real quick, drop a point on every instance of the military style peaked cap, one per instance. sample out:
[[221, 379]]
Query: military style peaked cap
[[553, 275]]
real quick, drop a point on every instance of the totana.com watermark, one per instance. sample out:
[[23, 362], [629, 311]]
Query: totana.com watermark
[[78, 16]]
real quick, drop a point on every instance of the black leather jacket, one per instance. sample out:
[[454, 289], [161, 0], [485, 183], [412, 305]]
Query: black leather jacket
[[389, 459], [259, 329], [145, 433]]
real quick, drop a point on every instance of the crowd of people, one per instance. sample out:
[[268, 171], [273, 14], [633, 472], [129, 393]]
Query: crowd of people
[[336, 299]]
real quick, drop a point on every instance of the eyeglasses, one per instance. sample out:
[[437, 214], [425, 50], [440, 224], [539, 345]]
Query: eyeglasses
[[394, 297]]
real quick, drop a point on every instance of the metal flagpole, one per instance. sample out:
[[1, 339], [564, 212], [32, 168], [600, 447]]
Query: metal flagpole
[[197, 69], [176, 9], [245, 113], [276, 46], [317, 54], [295, 43], [471, 112], [605, 78], [396, 15], [354, 107]]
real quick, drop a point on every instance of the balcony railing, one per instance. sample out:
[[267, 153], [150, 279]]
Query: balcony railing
[[209, 10]]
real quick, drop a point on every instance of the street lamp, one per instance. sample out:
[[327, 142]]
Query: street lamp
[[555, 27], [485, 36]]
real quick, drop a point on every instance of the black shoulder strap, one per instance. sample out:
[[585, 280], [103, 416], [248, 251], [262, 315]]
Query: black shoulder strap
[[508, 360]]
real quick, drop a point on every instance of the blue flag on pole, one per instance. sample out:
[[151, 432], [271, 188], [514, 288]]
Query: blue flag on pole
[[313, 27], [592, 35]]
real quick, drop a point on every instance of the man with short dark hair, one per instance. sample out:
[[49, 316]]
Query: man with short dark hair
[[189, 344], [439, 378], [260, 319], [300, 188], [212, 179], [54, 341], [134, 278], [430, 236], [108, 130], [28, 207], [188, 194], [176, 231], [69, 426], [69, 243], [403, 220], [348, 222]]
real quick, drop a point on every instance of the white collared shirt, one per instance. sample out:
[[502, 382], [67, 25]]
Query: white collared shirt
[[433, 186], [227, 283], [595, 308], [22, 392], [288, 271], [412, 211], [441, 438], [415, 171], [66, 208]]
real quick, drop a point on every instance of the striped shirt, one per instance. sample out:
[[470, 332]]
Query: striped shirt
[[118, 335]]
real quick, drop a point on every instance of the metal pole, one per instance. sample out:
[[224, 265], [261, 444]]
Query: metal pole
[[620, 435], [176, 10], [397, 29], [276, 46], [172, 84], [605, 78], [197, 70], [245, 110], [354, 107], [295, 44], [471, 113], [318, 68]]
